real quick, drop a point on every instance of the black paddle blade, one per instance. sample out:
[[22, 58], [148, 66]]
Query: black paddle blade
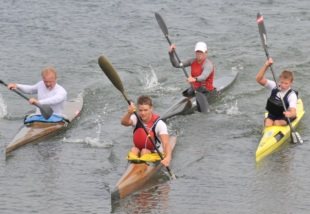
[[45, 110], [172, 176], [296, 138], [202, 102], [111, 73], [161, 24]]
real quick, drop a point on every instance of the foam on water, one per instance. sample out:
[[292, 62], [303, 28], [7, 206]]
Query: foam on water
[[233, 109], [151, 79], [3, 107], [152, 84], [228, 108], [93, 142]]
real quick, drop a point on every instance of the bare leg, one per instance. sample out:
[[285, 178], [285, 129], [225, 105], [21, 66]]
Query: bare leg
[[145, 151], [280, 123], [135, 151], [269, 122]]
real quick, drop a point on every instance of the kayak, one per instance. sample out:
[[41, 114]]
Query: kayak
[[138, 174], [38, 130], [188, 105], [274, 136]]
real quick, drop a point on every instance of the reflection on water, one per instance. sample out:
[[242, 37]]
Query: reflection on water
[[275, 175], [155, 199]]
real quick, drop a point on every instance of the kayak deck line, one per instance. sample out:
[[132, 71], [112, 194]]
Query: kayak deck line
[[35, 131], [137, 175], [274, 136]]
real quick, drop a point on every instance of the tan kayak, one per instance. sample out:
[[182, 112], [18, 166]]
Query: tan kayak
[[39, 130], [137, 175]]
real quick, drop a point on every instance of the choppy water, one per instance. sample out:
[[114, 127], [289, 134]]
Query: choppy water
[[214, 159]]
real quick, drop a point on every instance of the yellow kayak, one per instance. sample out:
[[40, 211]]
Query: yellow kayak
[[274, 136]]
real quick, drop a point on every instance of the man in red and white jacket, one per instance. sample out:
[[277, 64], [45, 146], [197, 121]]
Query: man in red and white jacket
[[202, 69]]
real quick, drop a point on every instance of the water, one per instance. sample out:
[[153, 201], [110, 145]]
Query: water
[[214, 158]]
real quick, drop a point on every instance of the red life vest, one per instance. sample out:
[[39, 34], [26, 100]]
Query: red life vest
[[140, 138], [196, 70]]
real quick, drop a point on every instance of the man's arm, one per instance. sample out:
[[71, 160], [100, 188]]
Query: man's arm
[[126, 119], [291, 111], [28, 89], [162, 131], [175, 63], [173, 60], [207, 69], [60, 96], [167, 149], [260, 76]]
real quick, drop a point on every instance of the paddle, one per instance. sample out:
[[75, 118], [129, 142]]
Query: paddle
[[203, 105], [45, 110], [263, 35], [111, 73]]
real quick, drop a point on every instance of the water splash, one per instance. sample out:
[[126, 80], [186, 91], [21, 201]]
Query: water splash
[[237, 68], [151, 79], [3, 107], [229, 109], [233, 109], [93, 142], [151, 83]]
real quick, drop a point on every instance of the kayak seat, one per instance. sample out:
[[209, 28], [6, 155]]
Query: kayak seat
[[132, 156], [39, 118], [151, 157]]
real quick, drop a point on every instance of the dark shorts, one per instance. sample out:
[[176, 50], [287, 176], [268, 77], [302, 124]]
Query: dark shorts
[[274, 117]]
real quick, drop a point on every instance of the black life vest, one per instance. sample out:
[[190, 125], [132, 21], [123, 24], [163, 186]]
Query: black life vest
[[274, 104]]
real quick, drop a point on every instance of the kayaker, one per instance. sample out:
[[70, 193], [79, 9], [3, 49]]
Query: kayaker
[[47, 90], [154, 125], [277, 116], [202, 69]]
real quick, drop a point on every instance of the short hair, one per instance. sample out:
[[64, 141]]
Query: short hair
[[288, 75], [49, 70], [145, 100]]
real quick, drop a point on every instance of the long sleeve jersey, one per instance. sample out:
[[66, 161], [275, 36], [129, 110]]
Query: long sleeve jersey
[[55, 98]]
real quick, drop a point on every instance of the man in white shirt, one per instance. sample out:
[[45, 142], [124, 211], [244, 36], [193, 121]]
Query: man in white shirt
[[156, 128], [47, 90]]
